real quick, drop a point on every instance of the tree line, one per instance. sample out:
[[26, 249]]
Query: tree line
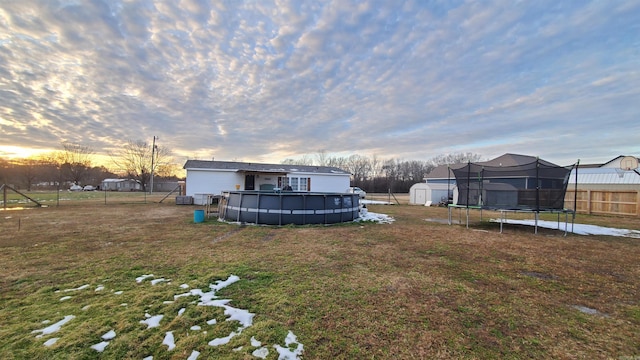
[[138, 160], [374, 174], [74, 164]]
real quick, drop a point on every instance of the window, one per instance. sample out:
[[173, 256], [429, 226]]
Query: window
[[303, 184], [296, 183], [293, 182]]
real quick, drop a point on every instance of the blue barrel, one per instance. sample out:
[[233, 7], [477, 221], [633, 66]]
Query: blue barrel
[[198, 216]]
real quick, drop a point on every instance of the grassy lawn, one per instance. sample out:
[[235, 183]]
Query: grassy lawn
[[413, 289]]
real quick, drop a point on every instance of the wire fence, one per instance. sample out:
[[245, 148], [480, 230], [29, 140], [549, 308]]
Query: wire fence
[[13, 200]]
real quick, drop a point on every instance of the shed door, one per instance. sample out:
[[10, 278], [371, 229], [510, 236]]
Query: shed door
[[250, 182]]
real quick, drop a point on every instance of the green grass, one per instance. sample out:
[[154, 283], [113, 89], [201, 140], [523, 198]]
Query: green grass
[[411, 289]]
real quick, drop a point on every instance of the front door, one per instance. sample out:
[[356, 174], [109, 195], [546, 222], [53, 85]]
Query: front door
[[250, 182]]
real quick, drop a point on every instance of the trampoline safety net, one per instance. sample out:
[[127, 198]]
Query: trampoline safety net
[[536, 186]]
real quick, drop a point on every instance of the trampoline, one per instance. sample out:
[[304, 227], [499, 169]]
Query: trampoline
[[536, 187]]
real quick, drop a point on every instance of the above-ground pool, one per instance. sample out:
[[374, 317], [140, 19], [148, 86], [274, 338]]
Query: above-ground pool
[[282, 208]]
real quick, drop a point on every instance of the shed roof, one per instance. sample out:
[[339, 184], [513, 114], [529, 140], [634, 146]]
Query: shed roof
[[610, 176], [264, 168]]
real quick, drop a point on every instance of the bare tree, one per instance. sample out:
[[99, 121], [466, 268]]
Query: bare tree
[[304, 160], [135, 159], [28, 172], [74, 161], [322, 159], [360, 167], [459, 158]]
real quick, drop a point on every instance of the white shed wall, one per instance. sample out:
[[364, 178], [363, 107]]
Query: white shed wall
[[418, 194], [422, 193]]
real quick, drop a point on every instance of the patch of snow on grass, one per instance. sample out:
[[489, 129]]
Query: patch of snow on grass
[[285, 352], [365, 215], [100, 346], [152, 321], [157, 281], [141, 278], [223, 340], [254, 342], [55, 327], [169, 341], [261, 353], [221, 284], [51, 341], [580, 229], [109, 335], [194, 355], [78, 288]]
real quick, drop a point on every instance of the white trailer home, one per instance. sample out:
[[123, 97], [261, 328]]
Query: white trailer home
[[206, 178]]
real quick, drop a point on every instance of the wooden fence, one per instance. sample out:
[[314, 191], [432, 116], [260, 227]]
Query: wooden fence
[[604, 202]]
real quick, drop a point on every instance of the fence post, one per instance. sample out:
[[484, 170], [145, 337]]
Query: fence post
[[638, 203]]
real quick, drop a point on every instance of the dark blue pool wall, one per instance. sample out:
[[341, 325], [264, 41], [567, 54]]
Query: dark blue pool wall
[[282, 208]]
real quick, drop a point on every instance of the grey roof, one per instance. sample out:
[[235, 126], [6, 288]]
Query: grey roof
[[259, 167], [440, 171], [514, 160]]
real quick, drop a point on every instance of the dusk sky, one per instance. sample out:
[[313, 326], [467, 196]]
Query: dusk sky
[[263, 81]]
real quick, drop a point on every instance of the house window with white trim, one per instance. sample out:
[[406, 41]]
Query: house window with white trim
[[293, 181], [296, 183], [303, 184]]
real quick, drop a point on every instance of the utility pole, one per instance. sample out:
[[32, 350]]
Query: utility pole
[[153, 156]]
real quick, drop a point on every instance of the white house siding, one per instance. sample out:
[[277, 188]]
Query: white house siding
[[325, 182], [216, 177], [215, 181], [205, 181]]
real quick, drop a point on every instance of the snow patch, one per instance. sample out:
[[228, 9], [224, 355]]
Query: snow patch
[[55, 327]]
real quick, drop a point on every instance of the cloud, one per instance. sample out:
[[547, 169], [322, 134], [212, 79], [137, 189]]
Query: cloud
[[267, 80]]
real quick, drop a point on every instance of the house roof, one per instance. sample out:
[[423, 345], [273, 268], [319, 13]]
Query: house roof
[[514, 160], [263, 168], [440, 171]]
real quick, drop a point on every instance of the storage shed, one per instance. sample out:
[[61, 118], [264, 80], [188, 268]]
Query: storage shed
[[429, 194]]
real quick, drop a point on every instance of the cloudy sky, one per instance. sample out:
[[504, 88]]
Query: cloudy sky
[[268, 80]]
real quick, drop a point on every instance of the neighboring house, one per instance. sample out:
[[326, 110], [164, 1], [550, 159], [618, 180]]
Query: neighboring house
[[216, 177], [442, 179], [120, 185]]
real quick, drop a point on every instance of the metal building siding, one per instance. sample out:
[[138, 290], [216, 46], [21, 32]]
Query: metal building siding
[[607, 176]]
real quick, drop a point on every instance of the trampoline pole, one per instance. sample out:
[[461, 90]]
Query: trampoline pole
[[575, 195], [467, 216]]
